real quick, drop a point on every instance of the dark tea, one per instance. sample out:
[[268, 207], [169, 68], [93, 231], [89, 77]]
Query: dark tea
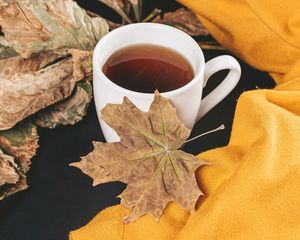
[[146, 68]]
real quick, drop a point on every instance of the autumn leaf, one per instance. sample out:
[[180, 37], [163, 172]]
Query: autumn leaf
[[147, 158], [20, 142], [11, 179], [54, 40], [40, 25], [119, 6], [45, 51], [16, 65], [24, 94], [185, 20], [137, 8], [8, 174], [70, 111]]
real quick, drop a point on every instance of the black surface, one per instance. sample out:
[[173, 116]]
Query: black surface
[[61, 198]]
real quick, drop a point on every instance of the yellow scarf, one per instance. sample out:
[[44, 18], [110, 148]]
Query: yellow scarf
[[253, 184]]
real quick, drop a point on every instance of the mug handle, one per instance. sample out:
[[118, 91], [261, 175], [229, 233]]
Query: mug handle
[[225, 87]]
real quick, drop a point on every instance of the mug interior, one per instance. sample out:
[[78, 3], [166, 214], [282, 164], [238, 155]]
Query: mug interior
[[148, 33]]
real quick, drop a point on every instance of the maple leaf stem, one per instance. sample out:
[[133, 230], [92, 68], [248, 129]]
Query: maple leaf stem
[[222, 127]]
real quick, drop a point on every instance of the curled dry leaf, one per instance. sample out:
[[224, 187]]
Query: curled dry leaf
[[8, 174], [120, 6], [40, 25], [24, 94], [137, 8], [185, 20], [70, 111], [147, 158], [18, 65], [21, 142], [51, 34], [45, 49], [11, 179]]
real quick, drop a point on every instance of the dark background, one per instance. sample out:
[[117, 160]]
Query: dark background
[[61, 198]]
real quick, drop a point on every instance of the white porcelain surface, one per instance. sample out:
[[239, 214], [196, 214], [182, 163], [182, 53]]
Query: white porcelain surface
[[186, 99]]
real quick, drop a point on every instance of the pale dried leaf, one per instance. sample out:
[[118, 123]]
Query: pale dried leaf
[[21, 142], [11, 179], [25, 94], [45, 49], [119, 6], [70, 111], [18, 65], [33, 28], [113, 25], [82, 63], [185, 20], [134, 2], [137, 8], [115, 4], [10, 189], [8, 174], [41, 25], [147, 158]]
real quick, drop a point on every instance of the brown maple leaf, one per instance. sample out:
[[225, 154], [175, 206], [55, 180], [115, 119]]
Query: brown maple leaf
[[147, 158]]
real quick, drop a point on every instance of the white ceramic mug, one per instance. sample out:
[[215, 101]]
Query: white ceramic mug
[[186, 99]]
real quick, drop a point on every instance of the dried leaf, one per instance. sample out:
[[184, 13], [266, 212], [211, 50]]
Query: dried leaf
[[45, 49], [10, 189], [21, 142], [70, 111], [25, 94], [18, 65], [119, 6], [24, 91], [185, 20], [7, 52], [41, 25], [8, 174], [137, 9], [147, 158], [82, 63], [31, 28], [11, 179], [113, 25]]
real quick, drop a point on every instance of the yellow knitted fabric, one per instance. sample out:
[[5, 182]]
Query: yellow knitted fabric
[[253, 184]]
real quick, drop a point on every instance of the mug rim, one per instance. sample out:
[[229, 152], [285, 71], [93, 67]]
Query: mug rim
[[104, 39]]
